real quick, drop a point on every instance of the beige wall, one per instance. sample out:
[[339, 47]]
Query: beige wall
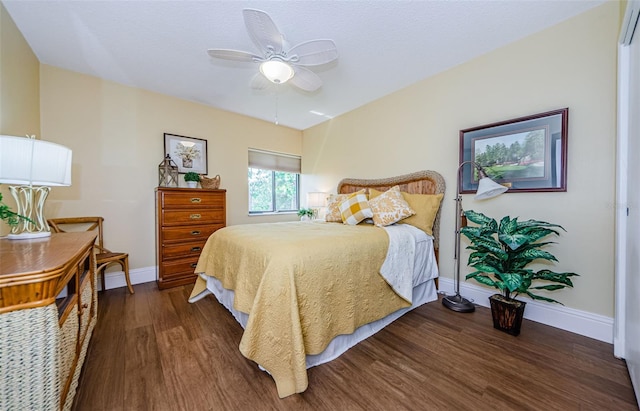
[[116, 134], [570, 65], [19, 81], [19, 90]]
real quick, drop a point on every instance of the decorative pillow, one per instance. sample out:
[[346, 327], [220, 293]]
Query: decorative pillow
[[426, 207], [333, 206], [355, 209], [390, 207]]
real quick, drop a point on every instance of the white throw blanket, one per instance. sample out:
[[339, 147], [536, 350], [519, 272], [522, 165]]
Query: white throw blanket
[[398, 266]]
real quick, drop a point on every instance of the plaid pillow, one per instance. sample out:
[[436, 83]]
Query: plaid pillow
[[355, 209], [333, 206]]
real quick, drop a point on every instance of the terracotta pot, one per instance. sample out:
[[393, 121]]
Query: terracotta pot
[[507, 313]]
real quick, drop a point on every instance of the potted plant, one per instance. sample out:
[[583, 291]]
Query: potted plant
[[501, 254], [192, 179], [305, 214], [9, 216]]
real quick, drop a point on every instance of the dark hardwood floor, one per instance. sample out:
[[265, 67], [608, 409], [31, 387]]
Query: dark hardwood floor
[[155, 351]]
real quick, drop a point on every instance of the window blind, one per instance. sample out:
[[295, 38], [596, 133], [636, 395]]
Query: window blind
[[269, 160]]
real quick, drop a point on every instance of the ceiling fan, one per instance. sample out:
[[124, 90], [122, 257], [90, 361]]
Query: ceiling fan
[[278, 63]]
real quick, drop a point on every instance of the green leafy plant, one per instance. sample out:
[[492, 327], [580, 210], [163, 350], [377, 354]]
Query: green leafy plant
[[9, 216], [192, 176], [501, 253], [305, 212]]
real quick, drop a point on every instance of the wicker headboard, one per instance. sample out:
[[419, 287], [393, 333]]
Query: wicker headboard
[[420, 182]]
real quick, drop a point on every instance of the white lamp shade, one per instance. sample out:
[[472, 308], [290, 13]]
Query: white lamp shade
[[276, 71], [316, 199], [27, 161], [487, 188]]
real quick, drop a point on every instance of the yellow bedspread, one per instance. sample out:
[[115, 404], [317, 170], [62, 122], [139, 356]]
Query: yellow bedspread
[[302, 284]]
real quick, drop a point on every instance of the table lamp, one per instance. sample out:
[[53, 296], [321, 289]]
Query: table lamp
[[315, 201], [32, 167]]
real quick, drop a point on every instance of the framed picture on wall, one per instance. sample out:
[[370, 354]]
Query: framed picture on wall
[[527, 154], [189, 153]]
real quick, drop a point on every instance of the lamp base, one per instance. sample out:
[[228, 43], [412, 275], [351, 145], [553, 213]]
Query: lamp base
[[29, 236], [458, 303]]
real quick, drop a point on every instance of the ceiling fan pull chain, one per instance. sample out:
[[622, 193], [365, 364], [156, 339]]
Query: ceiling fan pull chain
[[276, 108]]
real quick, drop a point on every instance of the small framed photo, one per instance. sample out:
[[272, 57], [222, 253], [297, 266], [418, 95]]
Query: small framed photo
[[526, 154], [189, 153]]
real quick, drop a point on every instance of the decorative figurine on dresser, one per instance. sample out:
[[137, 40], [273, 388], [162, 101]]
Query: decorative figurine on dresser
[[48, 309], [185, 219]]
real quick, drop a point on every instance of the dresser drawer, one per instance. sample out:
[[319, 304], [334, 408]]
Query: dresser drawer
[[87, 310], [193, 216], [179, 268], [185, 279], [182, 250], [200, 199], [179, 234]]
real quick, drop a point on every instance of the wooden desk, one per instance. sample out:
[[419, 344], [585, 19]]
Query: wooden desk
[[48, 309]]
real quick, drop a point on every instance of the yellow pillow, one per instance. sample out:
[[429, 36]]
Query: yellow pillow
[[355, 209], [390, 207], [425, 205], [333, 206]]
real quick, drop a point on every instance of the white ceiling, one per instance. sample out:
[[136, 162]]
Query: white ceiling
[[383, 45]]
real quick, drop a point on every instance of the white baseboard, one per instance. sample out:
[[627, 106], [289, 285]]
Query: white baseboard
[[115, 279], [580, 322]]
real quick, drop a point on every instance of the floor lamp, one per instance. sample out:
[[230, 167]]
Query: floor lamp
[[31, 167], [487, 188]]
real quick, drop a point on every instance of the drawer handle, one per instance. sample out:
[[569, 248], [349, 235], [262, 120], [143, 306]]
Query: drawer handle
[[196, 200], [195, 216], [85, 305], [195, 232], [196, 249], [194, 265]]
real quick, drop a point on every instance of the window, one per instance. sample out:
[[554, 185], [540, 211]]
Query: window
[[274, 182]]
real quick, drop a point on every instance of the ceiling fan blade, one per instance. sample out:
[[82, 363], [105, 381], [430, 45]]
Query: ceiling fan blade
[[260, 82], [236, 55], [313, 53], [263, 31], [305, 79]]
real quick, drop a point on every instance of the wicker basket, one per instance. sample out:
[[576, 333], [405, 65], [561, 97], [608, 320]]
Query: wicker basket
[[210, 183]]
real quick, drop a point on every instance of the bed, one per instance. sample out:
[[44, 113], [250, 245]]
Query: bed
[[305, 292]]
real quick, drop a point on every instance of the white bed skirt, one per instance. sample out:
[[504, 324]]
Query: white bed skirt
[[423, 293]]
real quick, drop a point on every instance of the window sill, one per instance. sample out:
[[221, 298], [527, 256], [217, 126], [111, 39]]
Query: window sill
[[274, 213]]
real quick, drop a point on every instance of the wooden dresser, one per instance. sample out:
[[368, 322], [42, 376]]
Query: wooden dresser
[[186, 217], [48, 308]]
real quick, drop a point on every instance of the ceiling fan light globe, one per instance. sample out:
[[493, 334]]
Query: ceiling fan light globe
[[276, 71]]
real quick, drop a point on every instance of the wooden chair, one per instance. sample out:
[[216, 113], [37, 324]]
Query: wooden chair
[[104, 257]]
